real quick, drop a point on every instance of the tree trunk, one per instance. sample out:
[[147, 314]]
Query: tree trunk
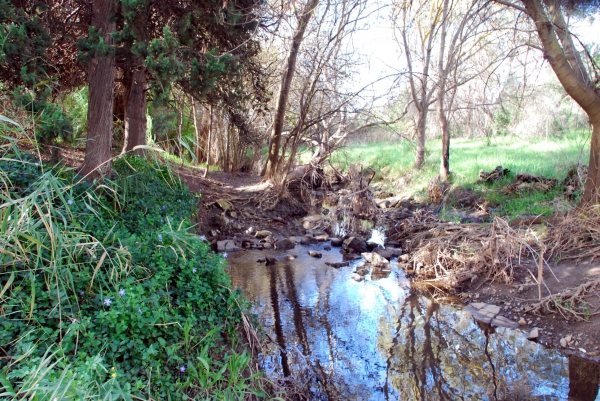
[[573, 77], [284, 91], [135, 110], [590, 191], [178, 145], [208, 113], [101, 79], [197, 148], [421, 136], [422, 94], [445, 162]]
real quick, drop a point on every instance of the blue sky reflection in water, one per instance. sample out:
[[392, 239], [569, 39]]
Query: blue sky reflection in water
[[378, 340]]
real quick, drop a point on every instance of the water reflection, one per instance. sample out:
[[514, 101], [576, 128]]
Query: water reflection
[[378, 340]]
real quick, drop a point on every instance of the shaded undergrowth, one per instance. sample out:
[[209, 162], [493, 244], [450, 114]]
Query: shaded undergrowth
[[107, 293]]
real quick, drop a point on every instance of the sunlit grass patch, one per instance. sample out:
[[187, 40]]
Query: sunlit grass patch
[[551, 157]]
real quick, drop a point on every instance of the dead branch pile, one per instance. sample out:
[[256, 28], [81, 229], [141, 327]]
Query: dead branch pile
[[464, 198], [494, 175], [450, 253], [525, 181], [576, 236], [356, 205], [570, 303], [575, 179]]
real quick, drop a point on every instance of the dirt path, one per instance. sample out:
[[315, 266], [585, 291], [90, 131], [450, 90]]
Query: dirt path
[[230, 205]]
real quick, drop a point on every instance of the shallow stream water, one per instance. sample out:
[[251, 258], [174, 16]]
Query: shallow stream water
[[380, 340]]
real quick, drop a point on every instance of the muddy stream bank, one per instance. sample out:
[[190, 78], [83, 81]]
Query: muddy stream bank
[[380, 339]]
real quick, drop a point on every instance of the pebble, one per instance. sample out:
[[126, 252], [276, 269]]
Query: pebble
[[357, 277], [522, 322]]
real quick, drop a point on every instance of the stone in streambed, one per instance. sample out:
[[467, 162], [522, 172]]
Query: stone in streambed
[[350, 256], [337, 265], [285, 244], [356, 244], [376, 260], [263, 234], [490, 314], [385, 253], [337, 242], [308, 240], [322, 237], [315, 254], [357, 277], [227, 246], [533, 334]]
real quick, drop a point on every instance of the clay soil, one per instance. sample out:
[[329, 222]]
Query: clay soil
[[246, 196]]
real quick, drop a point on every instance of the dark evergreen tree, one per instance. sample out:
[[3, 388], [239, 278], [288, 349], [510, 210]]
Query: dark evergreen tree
[[26, 70], [204, 47]]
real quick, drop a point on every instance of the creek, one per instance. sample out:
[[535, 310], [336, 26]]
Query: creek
[[378, 339]]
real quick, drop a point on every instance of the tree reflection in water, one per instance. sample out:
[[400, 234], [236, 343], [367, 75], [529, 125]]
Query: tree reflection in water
[[440, 353], [376, 340]]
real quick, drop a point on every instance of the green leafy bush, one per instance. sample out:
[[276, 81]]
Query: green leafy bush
[[106, 291]]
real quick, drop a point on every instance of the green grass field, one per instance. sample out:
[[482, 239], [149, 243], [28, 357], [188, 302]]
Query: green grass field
[[551, 158]]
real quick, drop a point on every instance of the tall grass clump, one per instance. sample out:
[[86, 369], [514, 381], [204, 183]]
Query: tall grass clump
[[106, 292]]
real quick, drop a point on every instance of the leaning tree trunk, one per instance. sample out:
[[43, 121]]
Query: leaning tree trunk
[[590, 192], [573, 77], [101, 78], [286, 81]]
